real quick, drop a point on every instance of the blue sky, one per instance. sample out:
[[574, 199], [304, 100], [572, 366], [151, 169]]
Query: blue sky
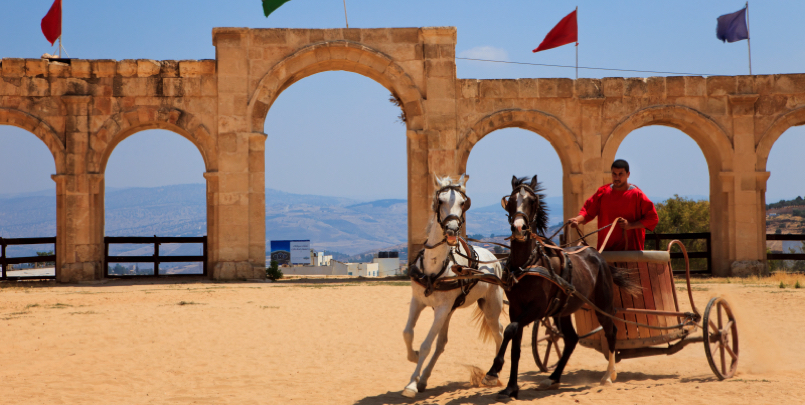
[[336, 134]]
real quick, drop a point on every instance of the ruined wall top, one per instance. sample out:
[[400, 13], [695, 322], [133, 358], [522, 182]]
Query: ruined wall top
[[95, 68]]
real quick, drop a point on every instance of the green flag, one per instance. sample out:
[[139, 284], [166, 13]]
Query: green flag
[[270, 5]]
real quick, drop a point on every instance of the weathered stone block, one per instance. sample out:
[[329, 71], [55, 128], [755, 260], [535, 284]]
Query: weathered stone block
[[13, 67], [36, 67], [440, 68], [375, 36], [529, 88], [490, 88], [589, 88], [195, 68], [548, 88], [104, 68], [80, 68], [695, 86], [264, 37], [748, 268], [404, 35], [127, 68], [675, 86], [789, 83], [721, 85], [635, 87], [148, 67], [613, 86]]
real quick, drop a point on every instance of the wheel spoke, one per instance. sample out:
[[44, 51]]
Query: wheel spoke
[[713, 326], [714, 347], [731, 353], [723, 360]]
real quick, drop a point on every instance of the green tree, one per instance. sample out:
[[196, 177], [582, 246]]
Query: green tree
[[45, 264], [683, 215], [273, 271]]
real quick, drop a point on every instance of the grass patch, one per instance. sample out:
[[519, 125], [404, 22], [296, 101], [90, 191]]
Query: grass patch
[[189, 303], [59, 305], [693, 288], [797, 285], [269, 307], [31, 306], [782, 284], [84, 313]]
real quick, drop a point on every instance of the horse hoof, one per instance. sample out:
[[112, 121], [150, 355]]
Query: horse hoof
[[409, 393], [421, 386], [413, 357], [508, 393], [490, 381], [548, 384], [606, 382], [614, 375]]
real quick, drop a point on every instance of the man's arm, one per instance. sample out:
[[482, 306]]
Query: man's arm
[[648, 216], [588, 211]]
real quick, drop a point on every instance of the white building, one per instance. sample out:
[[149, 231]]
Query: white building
[[355, 269], [319, 259]]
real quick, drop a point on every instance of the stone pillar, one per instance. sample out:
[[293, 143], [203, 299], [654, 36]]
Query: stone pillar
[[746, 213], [434, 150], [236, 230], [592, 166], [79, 202]]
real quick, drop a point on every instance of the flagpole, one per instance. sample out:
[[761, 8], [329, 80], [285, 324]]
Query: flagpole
[[577, 43], [748, 39], [345, 13], [61, 13]]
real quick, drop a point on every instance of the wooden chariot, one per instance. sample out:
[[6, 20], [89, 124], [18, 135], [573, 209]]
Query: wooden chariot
[[651, 324]]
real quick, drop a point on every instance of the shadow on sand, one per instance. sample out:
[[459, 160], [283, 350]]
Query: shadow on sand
[[455, 393]]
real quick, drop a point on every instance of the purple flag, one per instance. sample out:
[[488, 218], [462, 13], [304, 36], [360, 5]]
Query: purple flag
[[732, 27]]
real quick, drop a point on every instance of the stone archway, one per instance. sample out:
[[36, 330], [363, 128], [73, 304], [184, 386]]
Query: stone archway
[[336, 55], [718, 152], [543, 124], [39, 128], [122, 125], [790, 119], [711, 138]]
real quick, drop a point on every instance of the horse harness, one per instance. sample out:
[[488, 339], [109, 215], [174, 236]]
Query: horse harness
[[463, 281]]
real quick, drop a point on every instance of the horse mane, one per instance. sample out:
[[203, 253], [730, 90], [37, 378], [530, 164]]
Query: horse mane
[[540, 222]]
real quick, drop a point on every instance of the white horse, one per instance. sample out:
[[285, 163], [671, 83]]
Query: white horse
[[449, 206]]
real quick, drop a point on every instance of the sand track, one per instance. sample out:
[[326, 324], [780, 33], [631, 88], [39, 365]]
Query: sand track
[[318, 342]]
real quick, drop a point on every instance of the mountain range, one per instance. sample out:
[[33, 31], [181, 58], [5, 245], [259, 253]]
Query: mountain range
[[333, 223]]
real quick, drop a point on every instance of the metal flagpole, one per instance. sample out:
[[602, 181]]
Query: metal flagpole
[[748, 39], [345, 13], [577, 43], [61, 12]]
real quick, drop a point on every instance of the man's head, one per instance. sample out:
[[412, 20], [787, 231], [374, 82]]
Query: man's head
[[620, 174]]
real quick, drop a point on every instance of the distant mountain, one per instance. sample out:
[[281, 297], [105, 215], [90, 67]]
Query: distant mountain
[[333, 223]]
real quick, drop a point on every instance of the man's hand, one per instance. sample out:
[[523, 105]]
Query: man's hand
[[626, 225], [576, 221]]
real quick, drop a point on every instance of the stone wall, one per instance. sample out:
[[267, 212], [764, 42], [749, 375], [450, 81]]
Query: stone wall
[[83, 109]]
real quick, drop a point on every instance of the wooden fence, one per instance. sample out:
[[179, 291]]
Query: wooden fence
[[6, 261], [156, 258]]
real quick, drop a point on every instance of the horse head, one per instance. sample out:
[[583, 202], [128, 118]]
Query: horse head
[[526, 208], [450, 203]]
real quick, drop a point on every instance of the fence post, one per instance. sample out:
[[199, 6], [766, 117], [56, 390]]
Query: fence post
[[204, 253], [3, 257], [709, 255], [156, 256]]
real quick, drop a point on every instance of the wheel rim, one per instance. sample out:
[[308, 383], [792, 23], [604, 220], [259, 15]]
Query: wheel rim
[[546, 344], [720, 338]]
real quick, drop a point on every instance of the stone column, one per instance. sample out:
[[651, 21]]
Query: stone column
[[746, 213], [592, 167], [236, 230], [79, 202]]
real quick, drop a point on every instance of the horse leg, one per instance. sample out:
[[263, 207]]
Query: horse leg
[[491, 377], [441, 342], [571, 338], [414, 310], [492, 309], [440, 316], [512, 390], [610, 334]]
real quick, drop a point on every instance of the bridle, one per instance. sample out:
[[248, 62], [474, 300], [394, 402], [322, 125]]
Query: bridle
[[520, 214], [443, 221]]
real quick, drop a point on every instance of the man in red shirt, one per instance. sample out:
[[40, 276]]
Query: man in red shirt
[[624, 200]]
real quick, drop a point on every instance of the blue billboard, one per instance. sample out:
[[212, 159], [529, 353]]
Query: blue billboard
[[290, 251]]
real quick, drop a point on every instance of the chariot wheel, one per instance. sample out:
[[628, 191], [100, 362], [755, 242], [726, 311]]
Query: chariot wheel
[[547, 344], [720, 338]]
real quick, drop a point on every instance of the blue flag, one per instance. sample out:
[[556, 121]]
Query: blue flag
[[732, 27]]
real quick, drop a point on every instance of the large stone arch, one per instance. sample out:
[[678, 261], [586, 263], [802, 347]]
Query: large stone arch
[[336, 55], [122, 125], [39, 128], [546, 125], [790, 119], [711, 138]]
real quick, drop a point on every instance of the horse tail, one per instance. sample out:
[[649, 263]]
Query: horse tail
[[625, 279], [485, 333]]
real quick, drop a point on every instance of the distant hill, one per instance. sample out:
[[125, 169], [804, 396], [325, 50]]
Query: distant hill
[[333, 223]]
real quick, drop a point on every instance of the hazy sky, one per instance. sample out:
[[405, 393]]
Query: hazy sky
[[336, 134]]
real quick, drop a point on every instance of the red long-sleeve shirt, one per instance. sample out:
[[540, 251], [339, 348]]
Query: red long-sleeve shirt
[[632, 205]]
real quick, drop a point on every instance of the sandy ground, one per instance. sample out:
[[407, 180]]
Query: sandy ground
[[319, 342]]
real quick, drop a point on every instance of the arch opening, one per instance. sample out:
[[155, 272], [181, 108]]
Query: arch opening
[[339, 178], [154, 186], [783, 197], [27, 200], [670, 168], [525, 153]]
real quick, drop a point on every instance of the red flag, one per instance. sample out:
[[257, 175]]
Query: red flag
[[51, 23], [566, 32]]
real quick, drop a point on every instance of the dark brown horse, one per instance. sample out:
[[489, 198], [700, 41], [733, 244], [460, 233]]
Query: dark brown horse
[[538, 294]]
